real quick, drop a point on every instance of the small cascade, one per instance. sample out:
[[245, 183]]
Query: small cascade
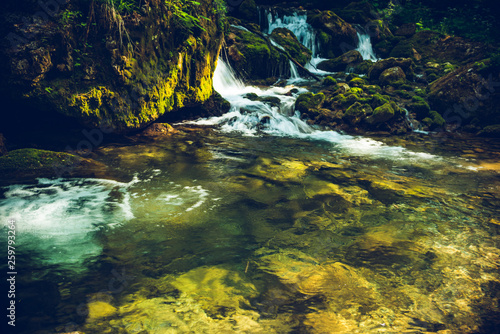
[[296, 23], [270, 111], [365, 46], [294, 73]]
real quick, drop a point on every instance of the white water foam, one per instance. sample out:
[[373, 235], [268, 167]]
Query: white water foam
[[252, 118], [57, 219], [365, 47]]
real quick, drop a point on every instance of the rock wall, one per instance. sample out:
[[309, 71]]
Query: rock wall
[[106, 66]]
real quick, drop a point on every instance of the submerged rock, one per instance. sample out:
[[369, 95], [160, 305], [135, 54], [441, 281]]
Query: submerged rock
[[28, 164]]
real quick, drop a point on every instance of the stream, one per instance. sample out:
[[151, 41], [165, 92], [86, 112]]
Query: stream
[[257, 222]]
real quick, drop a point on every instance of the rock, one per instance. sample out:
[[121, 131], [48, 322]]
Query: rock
[[3, 149], [307, 102], [248, 11], [100, 309], [168, 69], [406, 30], [357, 112], [356, 12], [433, 46], [492, 131], [291, 44], [158, 130], [335, 35], [392, 76], [350, 58], [381, 114], [466, 94], [28, 164], [329, 81], [252, 57], [434, 120], [380, 66]]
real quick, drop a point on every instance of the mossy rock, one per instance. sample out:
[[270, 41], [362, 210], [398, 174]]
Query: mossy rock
[[350, 58], [329, 81], [308, 101], [381, 114], [434, 120], [29, 163], [357, 82], [372, 89], [420, 108], [356, 90], [357, 112], [392, 76], [363, 67], [291, 44], [491, 131], [405, 64], [334, 32], [378, 100]]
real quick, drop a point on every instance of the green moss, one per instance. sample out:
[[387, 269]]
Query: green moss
[[420, 108], [378, 100], [372, 89], [382, 114], [357, 112], [32, 159], [329, 81], [356, 82], [404, 94], [307, 101], [291, 44]]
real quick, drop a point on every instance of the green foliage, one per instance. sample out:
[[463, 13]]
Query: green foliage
[[69, 16], [181, 10], [125, 6]]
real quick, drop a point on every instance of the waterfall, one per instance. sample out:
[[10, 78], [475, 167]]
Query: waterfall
[[297, 23], [365, 47], [294, 73], [259, 111]]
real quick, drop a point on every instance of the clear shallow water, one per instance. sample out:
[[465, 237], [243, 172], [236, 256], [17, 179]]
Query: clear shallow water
[[208, 232]]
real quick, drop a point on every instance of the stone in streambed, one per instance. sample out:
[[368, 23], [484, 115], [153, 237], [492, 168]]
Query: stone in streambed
[[392, 76], [350, 58]]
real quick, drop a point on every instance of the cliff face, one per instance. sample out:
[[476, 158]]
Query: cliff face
[[109, 66]]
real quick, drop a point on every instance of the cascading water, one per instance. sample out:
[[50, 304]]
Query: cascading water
[[365, 46], [297, 23], [252, 117]]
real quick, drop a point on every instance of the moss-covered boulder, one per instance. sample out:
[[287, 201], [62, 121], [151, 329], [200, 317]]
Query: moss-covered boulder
[[329, 81], [348, 59], [492, 131], [380, 66], [334, 34], [434, 120], [107, 67], [308, 102], [392, 76], [419, 107], [29, 163], [406, 30], [381, 114], [291, 44], [253, 57], [437, 47], [357, 113], [467, 93]]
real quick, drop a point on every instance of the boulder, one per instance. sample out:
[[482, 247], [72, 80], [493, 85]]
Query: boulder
[[392, 76], [334, 34], [291, 44], [466, 94], [381, 114], [307, 102], [350, 58], [380, 66], [357, 112], [251, 56], [128, 72], [406, 30]]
